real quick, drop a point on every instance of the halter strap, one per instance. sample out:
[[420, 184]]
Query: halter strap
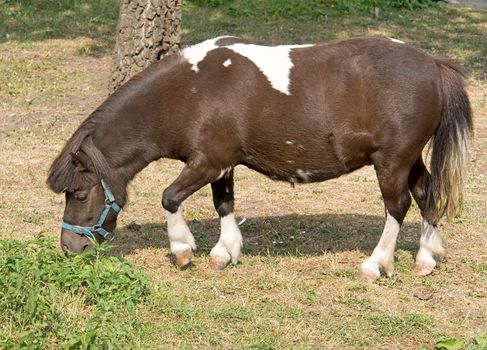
[[89, 231]]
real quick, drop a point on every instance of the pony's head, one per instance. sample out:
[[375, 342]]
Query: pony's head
[[91, 206]]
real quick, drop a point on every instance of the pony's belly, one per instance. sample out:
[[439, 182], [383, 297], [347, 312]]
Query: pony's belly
[[298, 172], [306, 176]]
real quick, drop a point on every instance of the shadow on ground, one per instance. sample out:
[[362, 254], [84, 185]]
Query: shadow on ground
[[277, 235]]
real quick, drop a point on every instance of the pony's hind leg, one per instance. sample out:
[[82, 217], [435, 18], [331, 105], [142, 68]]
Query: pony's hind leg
[[228, 247], [430, 244], [194, 175], [394, 188]]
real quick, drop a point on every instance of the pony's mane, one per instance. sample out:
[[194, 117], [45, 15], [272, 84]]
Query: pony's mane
[[62, 175]]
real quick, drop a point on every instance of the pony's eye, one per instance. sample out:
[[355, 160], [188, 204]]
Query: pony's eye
[[80, 195]]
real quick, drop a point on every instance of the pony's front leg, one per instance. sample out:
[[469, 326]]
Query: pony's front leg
[[181, 239], [228, 247], [195, 175]]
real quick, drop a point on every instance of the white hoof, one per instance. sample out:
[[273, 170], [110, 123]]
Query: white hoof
[[219, 257], [371, 268], [425, 262], [183, 252], [183, 258], [368, 274], [423, 269], [229, 245]]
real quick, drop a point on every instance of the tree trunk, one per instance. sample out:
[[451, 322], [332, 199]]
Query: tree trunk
[[147, 30]]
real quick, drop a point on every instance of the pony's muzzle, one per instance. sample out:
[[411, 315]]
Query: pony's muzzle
[[74, 243]]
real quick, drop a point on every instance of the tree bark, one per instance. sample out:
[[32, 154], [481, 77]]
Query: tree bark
[[147, 30]]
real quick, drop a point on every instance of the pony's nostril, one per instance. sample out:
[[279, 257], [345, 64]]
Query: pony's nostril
[[85, 247], [64, 247]]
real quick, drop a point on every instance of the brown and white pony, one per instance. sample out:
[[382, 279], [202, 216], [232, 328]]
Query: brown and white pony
[[300, 114]]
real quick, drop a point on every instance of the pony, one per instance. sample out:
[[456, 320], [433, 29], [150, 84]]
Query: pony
[[295, 113]]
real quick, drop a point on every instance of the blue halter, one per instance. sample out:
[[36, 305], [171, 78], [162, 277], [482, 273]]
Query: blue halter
[[89, 231]]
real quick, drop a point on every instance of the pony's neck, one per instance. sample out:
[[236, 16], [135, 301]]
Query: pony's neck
[[125, 157], [116, 161], [132, 124]]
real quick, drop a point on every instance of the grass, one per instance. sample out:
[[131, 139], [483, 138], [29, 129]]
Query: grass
[[35, 20], [39, 285], [296, 286]]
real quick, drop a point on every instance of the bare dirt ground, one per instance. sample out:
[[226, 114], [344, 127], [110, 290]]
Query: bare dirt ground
[[302, 246]]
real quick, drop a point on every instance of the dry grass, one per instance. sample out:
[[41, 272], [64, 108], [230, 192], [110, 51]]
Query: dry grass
[[295, 287]]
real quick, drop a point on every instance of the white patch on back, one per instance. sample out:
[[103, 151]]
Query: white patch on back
[[397, 41], [227, 63], [196, 53], [273, 61]]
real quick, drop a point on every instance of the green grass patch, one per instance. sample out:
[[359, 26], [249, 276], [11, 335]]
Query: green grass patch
[[478, 266], [40, 285], [391, 325], [356, 298], [271, 10], [369, 329], [33, 20]]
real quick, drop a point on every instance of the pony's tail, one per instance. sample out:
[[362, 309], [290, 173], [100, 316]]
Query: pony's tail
[[450, 144]]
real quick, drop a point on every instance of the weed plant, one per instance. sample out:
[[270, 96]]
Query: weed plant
[[39, 284]]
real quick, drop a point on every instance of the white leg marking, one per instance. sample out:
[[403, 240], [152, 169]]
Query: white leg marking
[[223, 172], [430, 245], [180, 237], [228, 247], [382, 258]]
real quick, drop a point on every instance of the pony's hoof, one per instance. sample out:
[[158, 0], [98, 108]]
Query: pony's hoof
[[367, 276], [216, 263], [369, 271], [423, 269], [183, 259]]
